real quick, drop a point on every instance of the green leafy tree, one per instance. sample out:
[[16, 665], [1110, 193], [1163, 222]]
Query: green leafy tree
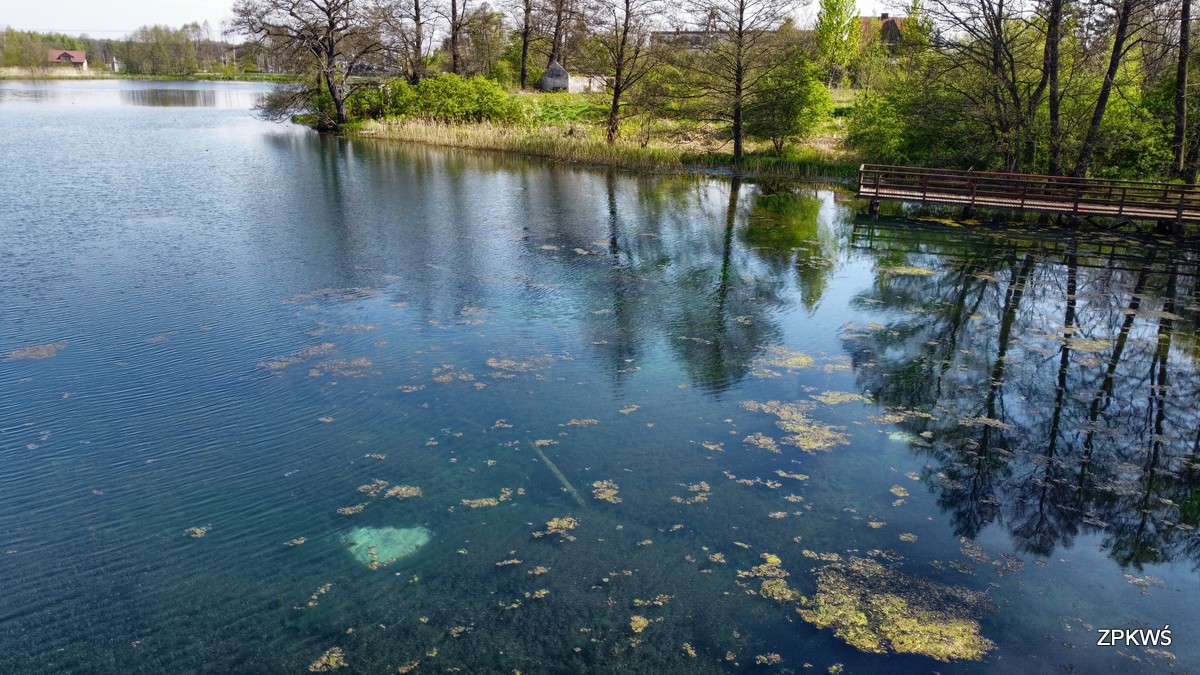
[[159, 50], [792, 104], [837, 34], [739, 50]]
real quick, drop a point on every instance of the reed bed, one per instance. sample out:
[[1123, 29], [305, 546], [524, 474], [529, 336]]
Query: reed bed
[[584, 145]]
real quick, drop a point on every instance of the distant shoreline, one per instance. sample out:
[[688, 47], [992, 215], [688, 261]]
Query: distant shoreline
[[57, 73]]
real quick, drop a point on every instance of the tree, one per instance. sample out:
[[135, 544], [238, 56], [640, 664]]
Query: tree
[[837, 33], [331, 36], [793, 101], [623, 32], [738, 52], [1052, 58], [1120, 35], [405, 23], [159, 50], [558, 13], [1181, 84], [526, 11], [456, 16], [485, 38], [995, 65]]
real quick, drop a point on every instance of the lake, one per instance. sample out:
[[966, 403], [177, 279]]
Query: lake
[[272, 401]]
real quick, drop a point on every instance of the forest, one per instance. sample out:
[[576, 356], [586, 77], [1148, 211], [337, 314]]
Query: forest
[[1060, 87]]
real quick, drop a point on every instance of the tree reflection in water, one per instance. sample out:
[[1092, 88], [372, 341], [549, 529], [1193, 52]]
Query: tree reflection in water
[[1052, 383]]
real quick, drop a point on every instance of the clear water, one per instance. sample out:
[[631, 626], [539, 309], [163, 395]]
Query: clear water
[[242, 323]]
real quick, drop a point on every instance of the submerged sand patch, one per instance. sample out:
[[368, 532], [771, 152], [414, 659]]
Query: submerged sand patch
[[377, 547]]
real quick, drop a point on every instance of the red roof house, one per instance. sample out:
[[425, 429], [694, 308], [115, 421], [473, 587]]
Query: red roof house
[[74, 58]]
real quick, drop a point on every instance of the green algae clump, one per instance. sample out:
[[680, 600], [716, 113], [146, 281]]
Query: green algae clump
[[781, 357], [876, 609], [331, 660], [773, 584], [908, 271], [559, 526], [806, 433], [836, 397], [377, 547], [778, 590], [606, 491]]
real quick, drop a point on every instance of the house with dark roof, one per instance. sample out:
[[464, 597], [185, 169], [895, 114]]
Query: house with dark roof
[[890, 29], [76, 59]]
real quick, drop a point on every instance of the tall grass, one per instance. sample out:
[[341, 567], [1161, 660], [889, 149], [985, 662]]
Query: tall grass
[[584, 144]]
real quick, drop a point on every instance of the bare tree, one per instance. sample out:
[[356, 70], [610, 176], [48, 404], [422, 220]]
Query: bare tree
[[623, 33], [407, 22], [456, 15], [332, 36]]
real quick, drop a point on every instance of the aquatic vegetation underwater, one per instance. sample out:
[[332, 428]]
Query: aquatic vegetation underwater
[[36, 351]]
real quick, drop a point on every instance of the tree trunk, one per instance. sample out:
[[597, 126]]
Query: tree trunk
[[1053, 37], [338, 95], [560, 19], [1181, 82], [614, 113], [739, 92], [455, 29], [738, 150], [1192, 165], [526, 31], [418, 66], [1114, 64]]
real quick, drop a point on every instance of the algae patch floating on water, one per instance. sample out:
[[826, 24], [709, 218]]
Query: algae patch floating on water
[[877, 609], [376, 547]]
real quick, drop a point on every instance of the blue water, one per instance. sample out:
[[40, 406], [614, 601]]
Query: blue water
[[211, 321]]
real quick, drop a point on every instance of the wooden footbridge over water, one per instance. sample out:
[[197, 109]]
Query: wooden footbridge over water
[[1170, 204]]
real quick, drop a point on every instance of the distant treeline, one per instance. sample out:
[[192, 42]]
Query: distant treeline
[[150, 50]]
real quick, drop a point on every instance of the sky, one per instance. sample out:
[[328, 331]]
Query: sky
[[111, 18], [116, 18]]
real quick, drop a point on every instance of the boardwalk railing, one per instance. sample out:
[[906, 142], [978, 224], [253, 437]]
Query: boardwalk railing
[[1137, 200]]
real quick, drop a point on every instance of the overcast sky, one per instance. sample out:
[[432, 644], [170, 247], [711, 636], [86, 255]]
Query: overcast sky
[[115, 18]]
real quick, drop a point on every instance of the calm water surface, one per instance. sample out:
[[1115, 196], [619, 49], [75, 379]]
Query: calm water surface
[[215, 325]]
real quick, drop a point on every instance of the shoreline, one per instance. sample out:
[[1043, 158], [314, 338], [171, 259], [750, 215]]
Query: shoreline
[[63, 74], [571, 146]]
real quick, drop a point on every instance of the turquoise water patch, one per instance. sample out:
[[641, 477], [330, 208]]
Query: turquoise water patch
[[377, 547]]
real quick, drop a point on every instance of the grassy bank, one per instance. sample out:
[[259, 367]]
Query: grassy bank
[[584, 144]]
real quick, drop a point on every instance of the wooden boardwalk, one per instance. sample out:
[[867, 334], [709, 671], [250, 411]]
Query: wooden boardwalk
[[1135, 200]]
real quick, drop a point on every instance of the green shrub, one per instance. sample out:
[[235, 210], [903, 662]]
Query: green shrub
[[876, 129], [366, 103], [450, 99], [399, 97]]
